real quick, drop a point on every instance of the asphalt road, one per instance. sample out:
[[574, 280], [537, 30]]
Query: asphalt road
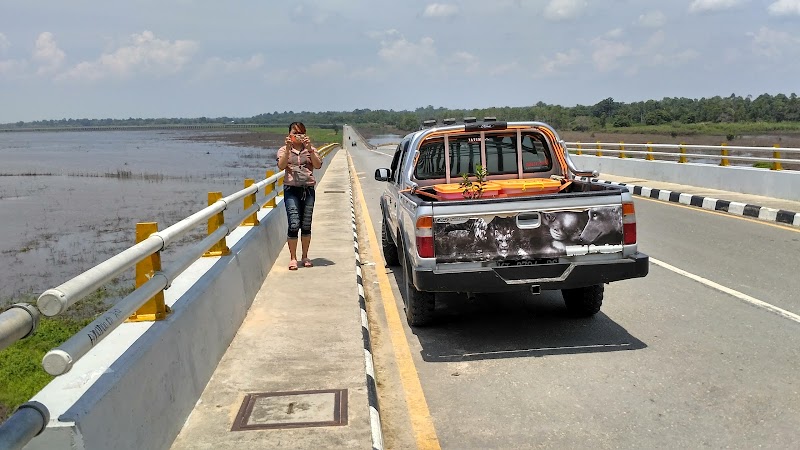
[[670, 362]]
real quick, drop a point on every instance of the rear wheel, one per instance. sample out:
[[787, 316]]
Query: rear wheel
[[389, 248], [419, 304], [585, 301]]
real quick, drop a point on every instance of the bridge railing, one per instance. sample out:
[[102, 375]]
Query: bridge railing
[[20, 321], [719, 154]]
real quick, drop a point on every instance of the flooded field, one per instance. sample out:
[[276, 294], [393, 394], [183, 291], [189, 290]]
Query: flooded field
[[70, 200]]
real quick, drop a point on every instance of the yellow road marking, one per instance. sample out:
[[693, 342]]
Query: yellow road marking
[[722, 213], [421, 420]]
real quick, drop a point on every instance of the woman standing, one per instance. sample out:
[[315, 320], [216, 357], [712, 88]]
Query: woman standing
[[298, 158]]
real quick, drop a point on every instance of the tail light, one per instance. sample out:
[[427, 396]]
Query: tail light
[[628, 223], [424, 234]]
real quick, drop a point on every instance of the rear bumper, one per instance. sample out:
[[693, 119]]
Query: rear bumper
[[546, 276]]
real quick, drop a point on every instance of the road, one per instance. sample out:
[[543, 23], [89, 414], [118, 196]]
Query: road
[[684, 358]]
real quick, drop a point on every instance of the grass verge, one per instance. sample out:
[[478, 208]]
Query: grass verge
[[21, 372]]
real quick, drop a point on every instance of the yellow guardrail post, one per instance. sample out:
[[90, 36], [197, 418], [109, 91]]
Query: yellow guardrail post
[[650, 152], [221, 247], [580, 150], [280, 186], [682, 159], [622, 150], [724, 151], [154, 309], [268, 189], [599, 149], [776, 165], [249, 201]]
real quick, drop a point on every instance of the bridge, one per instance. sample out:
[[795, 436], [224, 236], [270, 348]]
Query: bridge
[[702, 352]]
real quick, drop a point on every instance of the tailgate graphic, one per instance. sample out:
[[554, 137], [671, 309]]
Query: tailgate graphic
[[532, 235]]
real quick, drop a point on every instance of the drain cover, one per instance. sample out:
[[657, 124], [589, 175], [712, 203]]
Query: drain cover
[[297, 409]]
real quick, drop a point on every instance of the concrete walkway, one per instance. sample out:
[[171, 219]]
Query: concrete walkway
[[301, 335]]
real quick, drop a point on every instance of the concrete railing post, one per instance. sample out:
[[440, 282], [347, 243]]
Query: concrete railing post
[[249, 201], [776, 165], [268, 189], [218, 220], [153, 309]]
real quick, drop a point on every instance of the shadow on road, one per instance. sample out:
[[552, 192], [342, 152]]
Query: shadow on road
[[514, 325]]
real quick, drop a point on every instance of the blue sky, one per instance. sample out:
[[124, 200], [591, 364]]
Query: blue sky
[[192, 58]]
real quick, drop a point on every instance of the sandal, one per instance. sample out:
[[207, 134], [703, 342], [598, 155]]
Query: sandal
[[307, 263], [293, 264]]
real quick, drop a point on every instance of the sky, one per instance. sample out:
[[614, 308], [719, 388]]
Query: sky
[[239, 58]]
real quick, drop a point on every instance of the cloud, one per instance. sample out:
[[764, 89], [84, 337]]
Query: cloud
[[440, 10], [47, 54], [564, 9], [652, 19], [785, 8], [772, 44], [404, 53], [5, 44], [701, 6], [607, 54], [559, 62], [146, 55], [465, 62]]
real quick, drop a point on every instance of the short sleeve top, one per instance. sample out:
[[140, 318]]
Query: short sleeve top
[[299, 169]]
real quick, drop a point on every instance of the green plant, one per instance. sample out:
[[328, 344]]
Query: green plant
[[473, 189]]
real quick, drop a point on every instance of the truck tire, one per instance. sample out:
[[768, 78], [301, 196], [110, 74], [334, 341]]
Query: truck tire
[[419, 304], [389, 248], [585, 301]]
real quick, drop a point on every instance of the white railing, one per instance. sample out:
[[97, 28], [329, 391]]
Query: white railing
[[20, 320], [699, 153]]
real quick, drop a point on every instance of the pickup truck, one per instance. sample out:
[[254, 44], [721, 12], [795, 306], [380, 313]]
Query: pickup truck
[[490, 206]]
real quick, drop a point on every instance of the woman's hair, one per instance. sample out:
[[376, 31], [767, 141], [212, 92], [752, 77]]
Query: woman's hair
[[299, 125]]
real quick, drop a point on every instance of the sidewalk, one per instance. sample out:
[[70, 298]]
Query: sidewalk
[[786, 212], [301, 335]]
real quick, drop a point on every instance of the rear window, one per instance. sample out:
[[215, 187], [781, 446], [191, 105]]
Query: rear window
[[465, 153]]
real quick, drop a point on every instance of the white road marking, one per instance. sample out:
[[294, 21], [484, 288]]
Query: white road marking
[[753, 301]]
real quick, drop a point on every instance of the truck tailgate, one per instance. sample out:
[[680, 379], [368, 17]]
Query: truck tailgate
[[527, 231]]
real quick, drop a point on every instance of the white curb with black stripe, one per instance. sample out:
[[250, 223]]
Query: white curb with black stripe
[[710, 203], [372, 388]]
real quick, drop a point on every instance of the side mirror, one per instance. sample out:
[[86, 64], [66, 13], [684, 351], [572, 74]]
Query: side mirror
[[383, 174]]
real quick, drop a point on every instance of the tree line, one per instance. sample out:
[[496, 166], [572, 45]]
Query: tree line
[[605, 114]]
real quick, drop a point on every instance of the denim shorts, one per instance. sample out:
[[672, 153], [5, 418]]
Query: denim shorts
[[299, 202]]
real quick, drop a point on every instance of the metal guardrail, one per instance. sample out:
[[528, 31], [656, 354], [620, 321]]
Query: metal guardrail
[[20, 320], [720, 152]]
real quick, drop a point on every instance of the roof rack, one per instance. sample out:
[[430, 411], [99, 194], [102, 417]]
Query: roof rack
[[490, 119], [470, 119], [449, 121], [429, 123]]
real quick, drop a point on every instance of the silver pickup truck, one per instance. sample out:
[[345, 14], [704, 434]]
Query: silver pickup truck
[[488, 206]]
